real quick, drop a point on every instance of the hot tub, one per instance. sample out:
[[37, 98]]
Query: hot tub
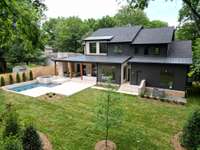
[[44, 79]]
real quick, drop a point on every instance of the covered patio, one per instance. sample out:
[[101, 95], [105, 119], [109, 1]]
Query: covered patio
[[91, 65]]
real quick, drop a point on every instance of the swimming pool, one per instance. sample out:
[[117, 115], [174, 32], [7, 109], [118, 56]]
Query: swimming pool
[[31, 86]]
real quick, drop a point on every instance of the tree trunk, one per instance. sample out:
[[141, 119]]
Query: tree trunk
[[107, 120]]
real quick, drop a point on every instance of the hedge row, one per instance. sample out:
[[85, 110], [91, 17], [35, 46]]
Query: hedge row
[[17, 77]]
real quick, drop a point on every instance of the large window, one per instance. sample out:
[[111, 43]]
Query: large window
[[157, 51], [117, 49], [136, 50], [108, 72], [166, 79], [146, 51], [103, 47], [93, 48]]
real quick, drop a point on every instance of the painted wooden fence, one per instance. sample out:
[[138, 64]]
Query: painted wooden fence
[[37, 71]]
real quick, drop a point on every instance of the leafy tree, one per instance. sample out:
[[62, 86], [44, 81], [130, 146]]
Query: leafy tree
[[2, 81], [187, 32], [191, 132], [12, 143], [195, 69], [69, 32], [108, 111], [92, 24], [20, 29], [128, 15], [24, 77], [30, 75], [31, 139], [189, 12], [11, 81], [157, 24], [106, 22], [18, 79], [49, 28]]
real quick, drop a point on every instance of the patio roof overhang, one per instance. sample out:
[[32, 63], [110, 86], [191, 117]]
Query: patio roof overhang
[[94, 59]]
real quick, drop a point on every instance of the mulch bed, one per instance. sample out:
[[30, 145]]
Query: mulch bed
[[51, 96], [102, 146], [45, 142], [176, 142]]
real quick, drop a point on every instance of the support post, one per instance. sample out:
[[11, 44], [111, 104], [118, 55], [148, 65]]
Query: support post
[[70, 69], [91, 69], [55, 68], [81, 69]]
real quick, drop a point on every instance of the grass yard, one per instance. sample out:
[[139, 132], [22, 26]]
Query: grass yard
[[69, 121]]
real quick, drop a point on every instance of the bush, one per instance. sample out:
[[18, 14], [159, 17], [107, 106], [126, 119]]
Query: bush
[[31, 139], [24, 77], [31, 75], [12, 127], [18, 79], [12, 143], [191, 132], [2, 81], [11, 81]]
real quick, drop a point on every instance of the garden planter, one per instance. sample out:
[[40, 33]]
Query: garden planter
[[101, 145]]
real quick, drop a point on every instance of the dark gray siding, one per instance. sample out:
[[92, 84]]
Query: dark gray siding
[[125, 48], [151, 73], [129, 50], [117, 72], [141, 48]]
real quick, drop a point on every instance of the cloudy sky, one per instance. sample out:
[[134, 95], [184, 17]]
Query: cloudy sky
[[160, 10]]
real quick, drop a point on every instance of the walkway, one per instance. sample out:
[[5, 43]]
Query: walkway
[[127, 88]]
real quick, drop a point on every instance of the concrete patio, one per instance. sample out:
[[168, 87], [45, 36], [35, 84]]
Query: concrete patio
[[69, 87]]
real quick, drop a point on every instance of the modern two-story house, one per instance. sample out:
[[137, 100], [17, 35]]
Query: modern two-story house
[[133, 54]]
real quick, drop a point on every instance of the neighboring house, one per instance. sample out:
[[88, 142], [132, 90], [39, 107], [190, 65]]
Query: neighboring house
[[131, 54]]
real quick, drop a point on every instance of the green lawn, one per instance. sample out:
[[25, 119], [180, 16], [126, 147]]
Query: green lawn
[[69, 122]]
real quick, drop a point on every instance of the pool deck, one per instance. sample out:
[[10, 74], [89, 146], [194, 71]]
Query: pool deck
[[70, 87]]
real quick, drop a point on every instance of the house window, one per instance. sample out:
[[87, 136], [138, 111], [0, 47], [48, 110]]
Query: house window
[[103, 47], [136, 50], [93, 48], [146, 51], [157, 51], [118, 50], [166, 79], [108, 72]]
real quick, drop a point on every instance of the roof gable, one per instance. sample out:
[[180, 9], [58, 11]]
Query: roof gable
[[119, 34], [155, 36]]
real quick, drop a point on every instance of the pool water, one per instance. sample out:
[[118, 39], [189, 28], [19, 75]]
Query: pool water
[[31, 86]]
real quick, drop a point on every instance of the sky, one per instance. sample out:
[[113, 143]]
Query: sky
[[157, 10]]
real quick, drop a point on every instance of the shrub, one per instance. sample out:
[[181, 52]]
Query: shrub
[[18, 79], [31, 75], [12, 143], [2, 81], [11, 81], [12, 127], [31, 139], [24, 77], [191, 132]]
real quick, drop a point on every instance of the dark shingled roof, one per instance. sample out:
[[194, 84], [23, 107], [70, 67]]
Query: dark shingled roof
[[180, 49], [154, 36], [94, 59], [120, 34], [180, 52]]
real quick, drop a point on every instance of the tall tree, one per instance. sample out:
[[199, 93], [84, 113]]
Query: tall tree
[[128, 15], [189, 12], [20, 21], [69, 32]]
